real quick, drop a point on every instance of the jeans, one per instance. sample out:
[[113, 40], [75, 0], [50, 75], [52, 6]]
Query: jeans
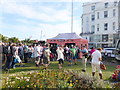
[[8, 62], [26, 57]]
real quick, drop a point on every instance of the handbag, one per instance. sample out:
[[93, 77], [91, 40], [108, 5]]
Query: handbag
[[102, 66]]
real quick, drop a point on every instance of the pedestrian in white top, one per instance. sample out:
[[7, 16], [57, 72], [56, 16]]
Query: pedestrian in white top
[[60, 56], [96, 59], [37, 54]]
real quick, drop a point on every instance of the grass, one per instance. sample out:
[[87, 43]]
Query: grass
[[54, 66]]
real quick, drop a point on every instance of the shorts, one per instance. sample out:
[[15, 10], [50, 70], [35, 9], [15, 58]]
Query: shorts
[[74, 57], [37, 59], [96, 66], [60, 61]]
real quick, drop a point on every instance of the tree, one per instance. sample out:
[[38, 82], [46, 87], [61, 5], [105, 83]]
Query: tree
[[13, 40], [3, 38], [28, 41]]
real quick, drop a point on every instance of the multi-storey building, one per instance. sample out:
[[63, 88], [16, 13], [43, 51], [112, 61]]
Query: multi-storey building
[[100, 21]]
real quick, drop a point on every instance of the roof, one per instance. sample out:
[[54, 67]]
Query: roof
[[67, 36]]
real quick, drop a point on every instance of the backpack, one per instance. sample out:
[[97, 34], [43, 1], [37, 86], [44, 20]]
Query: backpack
[[7, 50], [46, 52], [25, 48]]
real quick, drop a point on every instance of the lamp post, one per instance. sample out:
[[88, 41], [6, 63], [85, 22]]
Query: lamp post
[[41, 36], [72, 17]]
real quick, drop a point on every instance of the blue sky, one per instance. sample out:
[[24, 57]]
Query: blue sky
[[28, 18]]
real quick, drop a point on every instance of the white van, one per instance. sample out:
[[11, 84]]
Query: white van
[[117, 53], [109, 52]]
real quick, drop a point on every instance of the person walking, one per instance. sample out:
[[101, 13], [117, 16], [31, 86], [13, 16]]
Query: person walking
[[9, 55], [25, 49], [37, 54], [96, 59], [60, 57], [66, 52], [20, 51], [92, 50], [46, 56], [73, 50], [84, 58], [89, 57]]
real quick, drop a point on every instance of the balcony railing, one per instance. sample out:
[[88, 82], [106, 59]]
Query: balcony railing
[[87, 33]]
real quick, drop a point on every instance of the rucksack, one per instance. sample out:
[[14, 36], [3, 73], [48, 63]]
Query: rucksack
[[46, 52], [25, 48], [7, 50]]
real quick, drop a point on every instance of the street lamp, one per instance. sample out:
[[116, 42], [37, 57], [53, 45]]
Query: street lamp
[[72, 17], [41, 36]]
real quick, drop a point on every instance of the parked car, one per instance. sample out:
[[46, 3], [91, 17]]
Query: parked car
[[108, 52], [117, 51]]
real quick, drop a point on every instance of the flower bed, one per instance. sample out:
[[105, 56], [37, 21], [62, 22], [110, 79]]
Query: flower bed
[[53, 79]]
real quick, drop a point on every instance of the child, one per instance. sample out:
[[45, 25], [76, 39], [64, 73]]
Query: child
[[60, 57], [70, 59]]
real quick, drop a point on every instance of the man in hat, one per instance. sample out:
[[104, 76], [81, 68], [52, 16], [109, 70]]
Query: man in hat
[[84, 58], [96, 59]]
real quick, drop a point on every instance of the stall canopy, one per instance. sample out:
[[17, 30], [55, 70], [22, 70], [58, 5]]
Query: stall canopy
[[68, 39], [67, 36]]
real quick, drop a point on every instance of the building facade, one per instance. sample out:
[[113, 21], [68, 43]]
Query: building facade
[[100, 20]]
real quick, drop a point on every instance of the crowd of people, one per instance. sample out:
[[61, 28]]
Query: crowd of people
[[43, 54]]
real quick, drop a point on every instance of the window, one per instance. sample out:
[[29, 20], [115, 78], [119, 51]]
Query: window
[[93, 28], [97, 38], [87, 24], [106, 26], [97, 27], [105, 14], [115, 3], [91, 39], [92, 7], [87, 19], [105, 37], [106, 4], [97, 15], [113, 25], [114, 10], [93, 17]]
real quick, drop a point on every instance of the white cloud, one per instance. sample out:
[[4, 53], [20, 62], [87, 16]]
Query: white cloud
[[46, 0], [39, 13], [29, 11], [48, 30]]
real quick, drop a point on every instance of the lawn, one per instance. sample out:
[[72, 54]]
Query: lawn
[[54, 65], [28, 67]]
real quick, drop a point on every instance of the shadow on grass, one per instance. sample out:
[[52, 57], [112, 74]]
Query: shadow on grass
[[19, 70]]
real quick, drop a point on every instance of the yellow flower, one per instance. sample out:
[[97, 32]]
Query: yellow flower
[[38, 73], [70, 81], [71, 84], [76, 80], [34, 85], [27, 86], [18, 87], [41, 86]]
